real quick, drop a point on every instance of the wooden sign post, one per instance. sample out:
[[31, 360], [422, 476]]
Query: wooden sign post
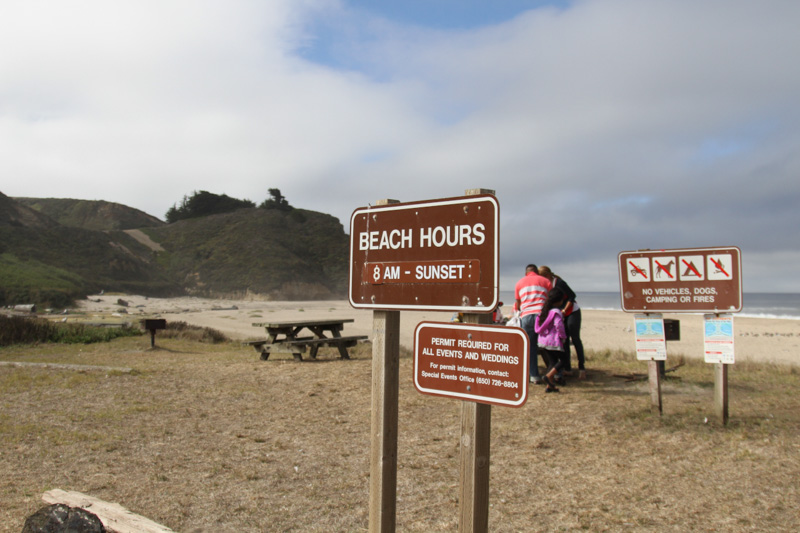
[[476, 436], [476, 431], [152, 325], [721, 391], [385, 386], [654, 379], [719, 350], [651, 346]]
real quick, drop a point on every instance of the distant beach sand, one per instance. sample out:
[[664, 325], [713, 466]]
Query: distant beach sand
[[756, 339]]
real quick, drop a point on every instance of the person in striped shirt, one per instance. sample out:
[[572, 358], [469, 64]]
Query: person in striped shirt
[[530, 293]]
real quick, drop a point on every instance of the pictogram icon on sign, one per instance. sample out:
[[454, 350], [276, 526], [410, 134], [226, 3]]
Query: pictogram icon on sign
[[691, 267], [664, 269], [719, 267], [639, 269]]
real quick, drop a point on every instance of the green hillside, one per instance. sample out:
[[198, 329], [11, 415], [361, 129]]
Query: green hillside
[[294, 254]]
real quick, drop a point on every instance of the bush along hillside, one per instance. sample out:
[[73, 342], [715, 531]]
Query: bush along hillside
[[203, 204]]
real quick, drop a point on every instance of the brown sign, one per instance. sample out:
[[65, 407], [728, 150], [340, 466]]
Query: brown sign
[[486, 364], [439, 255], [707, 280]]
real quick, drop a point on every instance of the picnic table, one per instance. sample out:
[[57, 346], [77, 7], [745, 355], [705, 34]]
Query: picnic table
[[284, 337]]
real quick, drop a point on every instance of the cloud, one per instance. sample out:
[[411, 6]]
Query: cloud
[[612, 126], [132, 101], [605, 125]]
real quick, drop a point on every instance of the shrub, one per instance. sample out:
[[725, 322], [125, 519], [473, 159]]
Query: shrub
[[204, 203], [182, 330], [24, 330]]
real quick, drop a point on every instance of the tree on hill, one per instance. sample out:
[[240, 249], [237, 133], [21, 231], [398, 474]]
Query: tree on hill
[[204, 203], [276, 201]]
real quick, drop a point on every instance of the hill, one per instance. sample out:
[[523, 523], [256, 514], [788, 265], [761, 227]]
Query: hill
[[275, 254], [14, 214], [285, 255], [44, 262], [91, 214]]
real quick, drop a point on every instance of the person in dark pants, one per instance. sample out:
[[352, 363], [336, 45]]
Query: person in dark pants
[[572, 325], [530, 293]]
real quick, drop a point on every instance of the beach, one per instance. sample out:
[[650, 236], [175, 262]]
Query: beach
[[755, 339]]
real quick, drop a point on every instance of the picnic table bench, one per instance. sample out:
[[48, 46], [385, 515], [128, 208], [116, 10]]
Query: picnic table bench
[[283, 337]]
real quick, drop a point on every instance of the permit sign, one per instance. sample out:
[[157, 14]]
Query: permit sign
[[485, 364], [431, 255], [718, 339], [693, 280], [651, 339]]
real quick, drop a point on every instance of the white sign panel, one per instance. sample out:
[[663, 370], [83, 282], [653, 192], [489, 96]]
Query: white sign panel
[[691, 268], [651, 342], [718, 339], [664, 268], [720, 267], [638, 270]]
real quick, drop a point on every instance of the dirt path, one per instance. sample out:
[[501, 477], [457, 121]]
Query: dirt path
[[143, 238]]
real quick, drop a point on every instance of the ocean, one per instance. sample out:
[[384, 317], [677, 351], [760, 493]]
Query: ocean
[[755, 304]]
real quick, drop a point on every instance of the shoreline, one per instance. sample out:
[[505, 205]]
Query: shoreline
[[766, 316], [774, 340]]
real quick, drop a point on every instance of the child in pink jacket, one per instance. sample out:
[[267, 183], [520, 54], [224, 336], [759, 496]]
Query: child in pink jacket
[[550, 327]]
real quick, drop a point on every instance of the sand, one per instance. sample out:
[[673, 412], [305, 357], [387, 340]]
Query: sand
[[756, 339]]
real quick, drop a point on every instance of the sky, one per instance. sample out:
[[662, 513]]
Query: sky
[[602, 125]]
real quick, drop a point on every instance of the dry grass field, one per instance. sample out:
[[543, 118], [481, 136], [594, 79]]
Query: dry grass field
[[203, 437]]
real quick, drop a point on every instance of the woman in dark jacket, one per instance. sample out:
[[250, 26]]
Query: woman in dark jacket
[[572, 324]]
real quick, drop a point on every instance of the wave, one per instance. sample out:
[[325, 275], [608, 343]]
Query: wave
[[782, 306], [769, 315]]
